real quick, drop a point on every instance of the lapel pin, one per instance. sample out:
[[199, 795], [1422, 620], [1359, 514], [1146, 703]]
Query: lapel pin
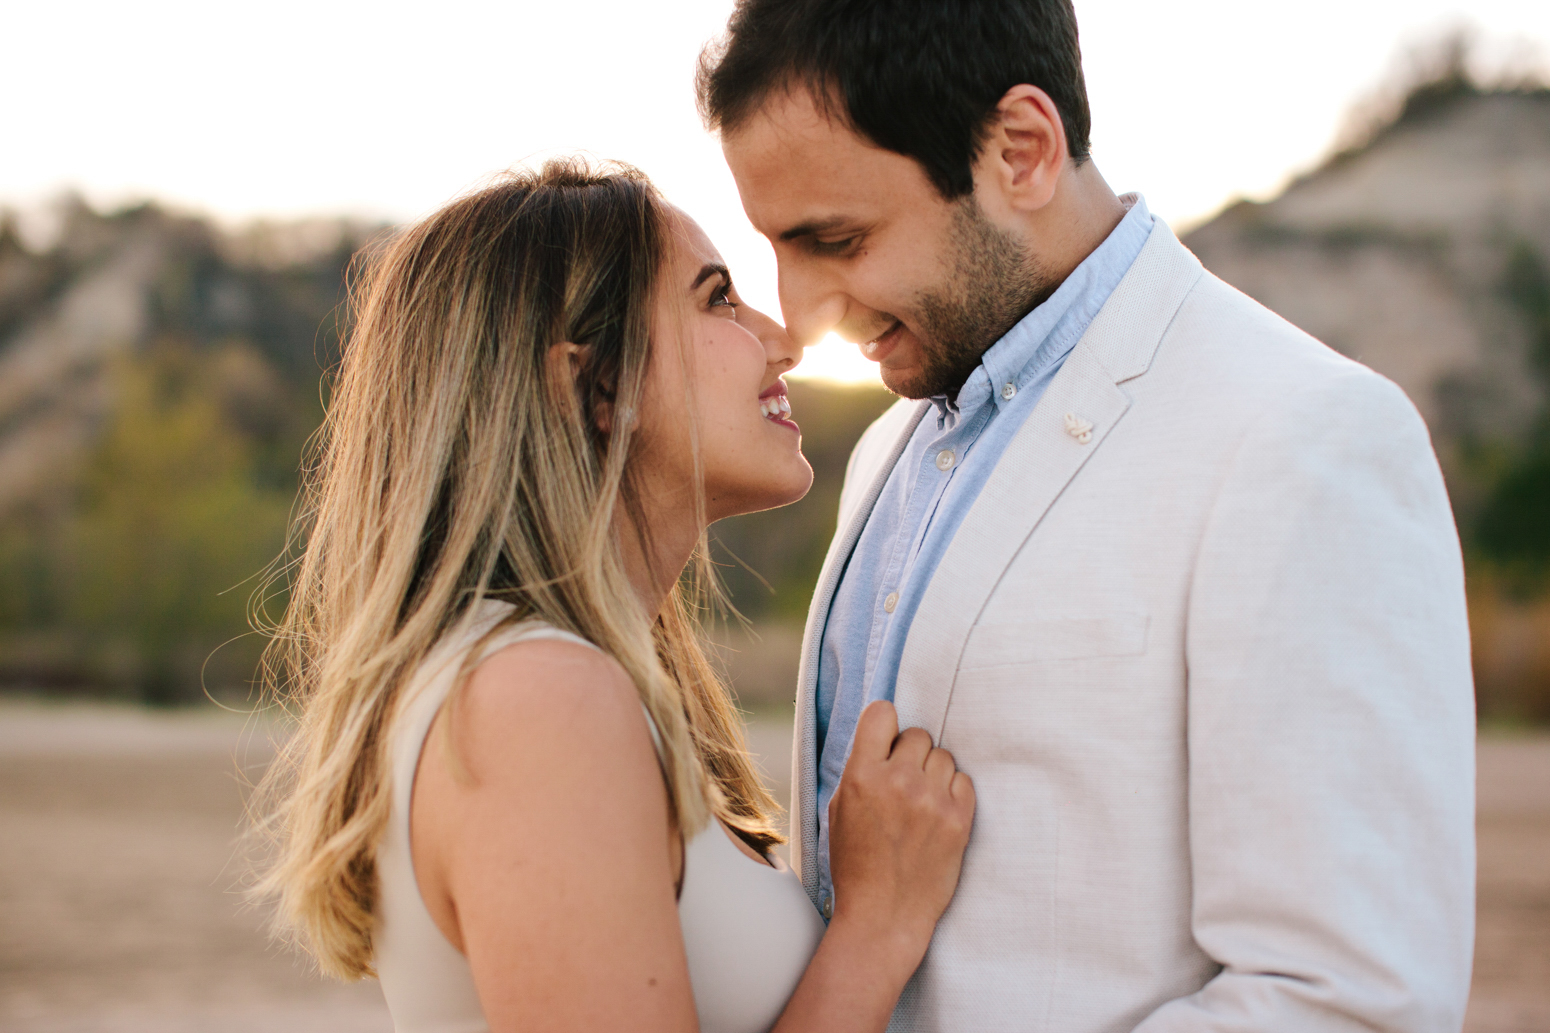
[[1079, 428]]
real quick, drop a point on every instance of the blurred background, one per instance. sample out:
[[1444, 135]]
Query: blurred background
[[181, 191]]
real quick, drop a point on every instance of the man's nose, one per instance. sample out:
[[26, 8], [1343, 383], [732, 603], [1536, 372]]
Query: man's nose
[[810, 303]]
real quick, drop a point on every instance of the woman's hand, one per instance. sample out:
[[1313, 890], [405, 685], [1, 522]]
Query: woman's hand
[[898, 826]]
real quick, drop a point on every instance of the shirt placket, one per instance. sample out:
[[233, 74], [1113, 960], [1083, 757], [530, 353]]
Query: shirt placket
[[938, 462], [893, 576]]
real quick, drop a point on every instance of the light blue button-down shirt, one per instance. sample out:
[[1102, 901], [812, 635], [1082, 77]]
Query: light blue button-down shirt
[[949, 458]]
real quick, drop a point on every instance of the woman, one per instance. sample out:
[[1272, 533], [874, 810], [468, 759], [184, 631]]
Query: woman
[[518, 793]]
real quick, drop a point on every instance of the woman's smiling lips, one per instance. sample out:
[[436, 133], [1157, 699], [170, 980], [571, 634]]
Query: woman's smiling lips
[[776, 406]]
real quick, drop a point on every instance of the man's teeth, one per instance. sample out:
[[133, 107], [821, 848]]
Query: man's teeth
[[775, 407]]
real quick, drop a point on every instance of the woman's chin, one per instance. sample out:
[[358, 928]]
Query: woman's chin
[[793, 488], [801, 482], [788, 482]]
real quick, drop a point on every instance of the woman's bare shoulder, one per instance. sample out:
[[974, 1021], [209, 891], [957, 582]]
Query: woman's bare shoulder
[[565, 703], [549, 771]]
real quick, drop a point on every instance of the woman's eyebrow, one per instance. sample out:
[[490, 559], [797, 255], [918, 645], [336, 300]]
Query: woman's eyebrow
[[707, 271]]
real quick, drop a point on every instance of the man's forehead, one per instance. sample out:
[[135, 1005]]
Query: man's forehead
[[789, 123], [791, 112], [795, 165]]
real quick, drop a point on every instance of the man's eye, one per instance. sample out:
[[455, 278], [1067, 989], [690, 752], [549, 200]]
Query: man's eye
[[833, 247]]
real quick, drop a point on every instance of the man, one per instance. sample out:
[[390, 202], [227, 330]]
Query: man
[[1176, 584]]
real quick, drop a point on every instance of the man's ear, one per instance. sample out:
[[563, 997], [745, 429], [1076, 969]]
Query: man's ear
[[1024, 153], [567, 360]]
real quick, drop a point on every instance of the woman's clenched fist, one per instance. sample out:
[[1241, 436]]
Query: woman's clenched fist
[[898, 826]]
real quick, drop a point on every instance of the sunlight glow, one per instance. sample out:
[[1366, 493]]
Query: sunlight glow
[[836, 360]]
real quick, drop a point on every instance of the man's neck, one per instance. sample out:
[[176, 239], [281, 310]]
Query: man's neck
[[1080, 217], [1058, 238]]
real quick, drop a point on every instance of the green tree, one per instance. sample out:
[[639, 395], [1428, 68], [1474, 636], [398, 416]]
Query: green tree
[[1514, 528], [172, 525]]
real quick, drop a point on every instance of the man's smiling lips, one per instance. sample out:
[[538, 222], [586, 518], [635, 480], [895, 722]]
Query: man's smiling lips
[[879, 348]]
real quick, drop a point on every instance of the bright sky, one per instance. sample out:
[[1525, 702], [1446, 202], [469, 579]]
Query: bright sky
[[387, 109]]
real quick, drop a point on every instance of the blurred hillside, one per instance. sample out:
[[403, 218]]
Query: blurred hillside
[[157, 381], [1424, 252], [159, 377]]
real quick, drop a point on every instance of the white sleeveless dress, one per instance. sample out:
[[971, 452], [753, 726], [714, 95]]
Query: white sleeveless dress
[[749, 930]]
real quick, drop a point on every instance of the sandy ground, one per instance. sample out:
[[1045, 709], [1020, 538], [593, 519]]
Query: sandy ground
[[118, 908]]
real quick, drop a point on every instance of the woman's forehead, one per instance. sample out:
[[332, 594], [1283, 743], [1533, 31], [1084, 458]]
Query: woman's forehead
[[692, 246]]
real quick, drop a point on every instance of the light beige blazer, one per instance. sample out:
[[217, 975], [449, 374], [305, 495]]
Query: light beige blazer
[[1208, 665]]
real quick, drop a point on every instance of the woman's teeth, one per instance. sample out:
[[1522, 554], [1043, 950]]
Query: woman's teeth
[[775, 407]]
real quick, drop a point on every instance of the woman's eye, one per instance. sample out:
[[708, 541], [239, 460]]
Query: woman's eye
[[720, 296]]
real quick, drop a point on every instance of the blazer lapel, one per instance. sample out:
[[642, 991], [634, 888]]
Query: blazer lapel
[[1065, 430], [873, 466], [1036, 467]]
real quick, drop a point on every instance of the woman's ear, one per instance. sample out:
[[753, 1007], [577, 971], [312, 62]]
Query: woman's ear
[[1025, 151], [566, 362]]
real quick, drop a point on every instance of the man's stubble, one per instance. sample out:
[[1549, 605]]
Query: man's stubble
[[993, 282]]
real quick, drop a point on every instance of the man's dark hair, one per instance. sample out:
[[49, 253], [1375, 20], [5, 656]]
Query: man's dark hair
[[921, 78]]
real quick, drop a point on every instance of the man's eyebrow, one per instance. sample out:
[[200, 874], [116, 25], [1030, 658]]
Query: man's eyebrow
[[707, 271], [814, 226]]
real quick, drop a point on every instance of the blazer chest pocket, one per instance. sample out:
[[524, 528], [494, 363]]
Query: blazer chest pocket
[[1045, 638]]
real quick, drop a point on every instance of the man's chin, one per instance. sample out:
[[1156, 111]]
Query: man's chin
[[906, 383], [910, 368], [902, 382]]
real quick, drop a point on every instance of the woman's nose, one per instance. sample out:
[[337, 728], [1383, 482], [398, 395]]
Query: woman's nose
[[780, 351]]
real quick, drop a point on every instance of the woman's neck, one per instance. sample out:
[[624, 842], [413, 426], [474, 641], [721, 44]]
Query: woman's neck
[[671, 532]]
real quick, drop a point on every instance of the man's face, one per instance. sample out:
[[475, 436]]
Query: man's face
[[867, 247]]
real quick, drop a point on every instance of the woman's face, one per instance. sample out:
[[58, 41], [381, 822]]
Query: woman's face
[[716, 365]]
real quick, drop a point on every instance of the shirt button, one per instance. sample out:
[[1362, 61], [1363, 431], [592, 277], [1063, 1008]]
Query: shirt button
[[890, 602], [1008, 390], [828, 906], [944, 460]]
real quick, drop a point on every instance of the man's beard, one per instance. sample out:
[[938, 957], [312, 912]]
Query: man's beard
[[994, 282]]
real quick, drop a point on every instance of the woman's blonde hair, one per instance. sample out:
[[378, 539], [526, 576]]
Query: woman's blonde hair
[[458, 462]]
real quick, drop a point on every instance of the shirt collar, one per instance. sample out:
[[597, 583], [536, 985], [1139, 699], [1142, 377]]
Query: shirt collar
[[1027, 351]]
